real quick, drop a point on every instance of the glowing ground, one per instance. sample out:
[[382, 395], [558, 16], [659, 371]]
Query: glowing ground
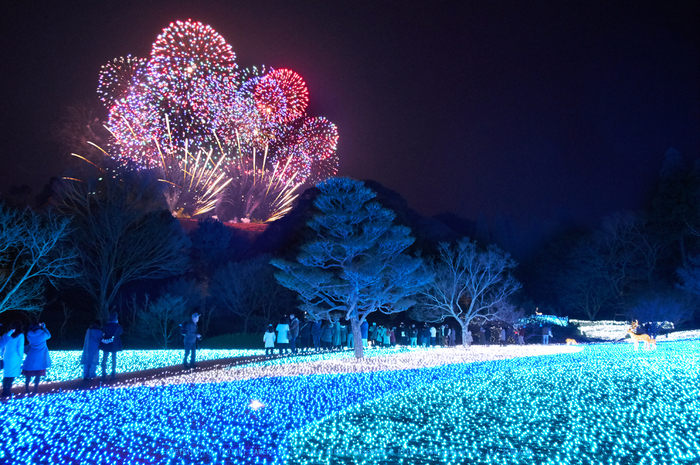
[[604, 404]]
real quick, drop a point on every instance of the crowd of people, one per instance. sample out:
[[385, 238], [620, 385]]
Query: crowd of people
[[32, 359], [15, 363], [292, 336]]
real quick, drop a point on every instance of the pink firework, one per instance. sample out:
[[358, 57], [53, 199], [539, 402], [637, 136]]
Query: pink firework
[[309, 152], [118, 77], [319, 141], [188, 112], [136, 126], [184, 57], [281, 96]]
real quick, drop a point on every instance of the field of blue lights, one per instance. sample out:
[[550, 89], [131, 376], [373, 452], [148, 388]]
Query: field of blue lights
[[65, 364], [605, 404]]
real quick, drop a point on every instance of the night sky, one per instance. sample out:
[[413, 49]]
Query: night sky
[[535, 110]]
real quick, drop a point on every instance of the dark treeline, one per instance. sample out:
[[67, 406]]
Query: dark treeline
[[128, 254]]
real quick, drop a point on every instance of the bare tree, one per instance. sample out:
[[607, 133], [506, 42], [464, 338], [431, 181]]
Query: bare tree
[[248, 289], [584, 286], [469, 283], [66, 312], [509, 313], [629, 252], [611, 267], [665, 305], [122, 235], [32, 251], [690, 276], [355, 264], [159, 320]]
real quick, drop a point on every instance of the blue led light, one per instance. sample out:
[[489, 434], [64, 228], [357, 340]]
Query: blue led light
[[604, 402]]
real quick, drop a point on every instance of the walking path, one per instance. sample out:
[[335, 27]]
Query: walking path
[[238, 368]]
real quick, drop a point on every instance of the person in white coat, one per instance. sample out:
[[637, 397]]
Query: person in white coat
[[38, 359], [269, 339], [12, 348], [283, 335]]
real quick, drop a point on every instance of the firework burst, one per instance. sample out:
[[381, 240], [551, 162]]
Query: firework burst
[[215, 132], [119, 77], [281, 96]]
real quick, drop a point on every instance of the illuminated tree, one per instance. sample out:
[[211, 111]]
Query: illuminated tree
[[468, 283], [32, 251], [122, 235], [354, 263]]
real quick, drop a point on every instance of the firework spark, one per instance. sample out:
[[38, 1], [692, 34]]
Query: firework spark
[[214, 132], [119, 76]]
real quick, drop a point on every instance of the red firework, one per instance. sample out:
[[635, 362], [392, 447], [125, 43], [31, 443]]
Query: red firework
[[281, 96]]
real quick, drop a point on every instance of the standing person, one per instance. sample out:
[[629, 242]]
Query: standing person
[[293, 333], [503, 337], [433, 336], [111, 344], [521, 336], [388, 334], [364, 330], [326, 334], [316, 334], [38, 358], [482, 335], [545, 335], [373, 334], [283, 335], [336, 334], [305, 334], [351, 337], [445, 336], [468, 338], [91, 350], [453, 337], [425, 340], [379, 336], [413, 335], [402, 334], [190, 335], [12, 348], [392, 337], [343, 335], [269, 340]]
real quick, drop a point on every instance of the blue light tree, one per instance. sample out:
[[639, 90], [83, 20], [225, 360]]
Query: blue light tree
[[356, 262], [32, 252]]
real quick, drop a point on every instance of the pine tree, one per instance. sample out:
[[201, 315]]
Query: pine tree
[[355, 264]]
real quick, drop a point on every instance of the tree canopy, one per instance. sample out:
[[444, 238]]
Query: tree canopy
[[355, 263]]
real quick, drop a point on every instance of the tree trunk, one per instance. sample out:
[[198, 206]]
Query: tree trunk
[[357, 337], [465, 329], [103, 312]]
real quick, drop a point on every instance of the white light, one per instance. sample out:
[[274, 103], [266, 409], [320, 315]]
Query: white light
[[256, 404]]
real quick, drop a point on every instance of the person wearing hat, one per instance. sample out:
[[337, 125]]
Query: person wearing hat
[[190, 337]]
